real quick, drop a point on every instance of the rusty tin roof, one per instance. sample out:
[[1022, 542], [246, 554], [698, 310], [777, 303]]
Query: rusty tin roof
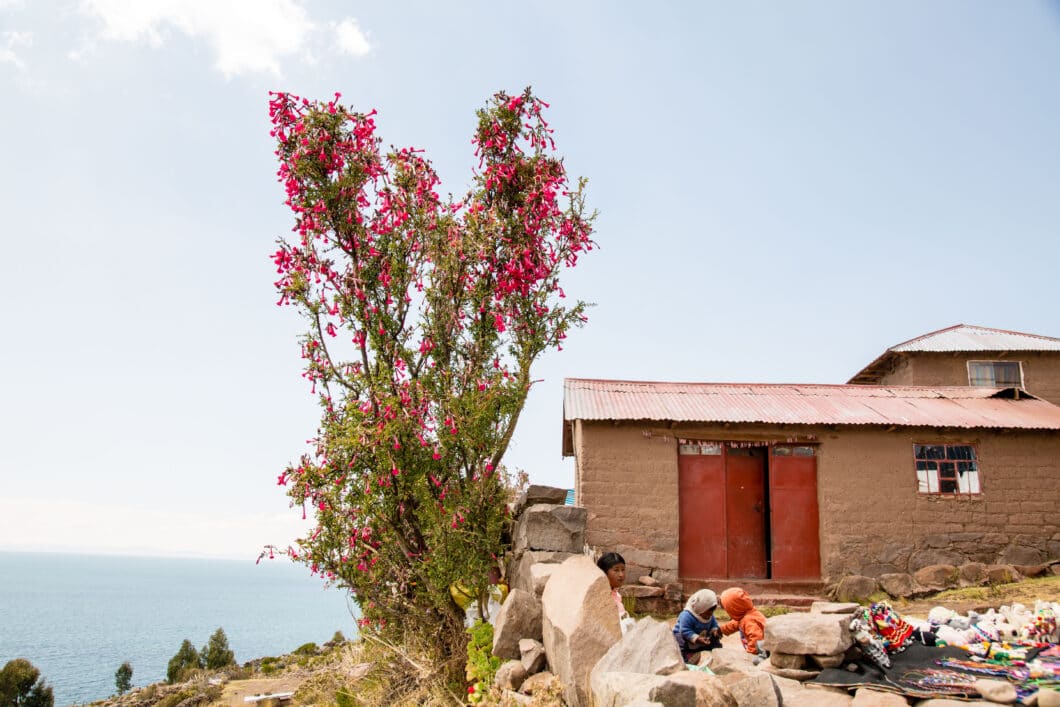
[[808, 404]]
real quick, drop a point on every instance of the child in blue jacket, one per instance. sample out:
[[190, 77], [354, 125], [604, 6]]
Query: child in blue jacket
[[696, 629]]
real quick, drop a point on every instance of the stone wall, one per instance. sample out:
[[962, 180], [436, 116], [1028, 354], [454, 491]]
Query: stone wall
[[872, 519], [1041, 370]]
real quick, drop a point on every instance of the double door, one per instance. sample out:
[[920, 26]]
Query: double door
[[747, 511]]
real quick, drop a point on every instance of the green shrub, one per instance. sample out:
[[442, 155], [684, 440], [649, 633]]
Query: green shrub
[[307, 649], [186, 658], [22, 686], [123, 678], [216, 653], [482, 665]]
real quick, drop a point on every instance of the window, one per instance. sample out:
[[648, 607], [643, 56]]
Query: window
[[787, 450], [995, 374], [707, 449], [946, 468]]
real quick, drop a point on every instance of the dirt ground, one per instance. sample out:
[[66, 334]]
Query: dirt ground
[[236, 690]]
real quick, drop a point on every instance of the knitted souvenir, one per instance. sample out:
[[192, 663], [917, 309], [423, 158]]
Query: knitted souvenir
[[861, 628], [892, 628]]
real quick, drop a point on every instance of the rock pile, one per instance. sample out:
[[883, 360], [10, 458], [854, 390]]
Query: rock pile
[[558, 630], [931, 579], [801, 645]]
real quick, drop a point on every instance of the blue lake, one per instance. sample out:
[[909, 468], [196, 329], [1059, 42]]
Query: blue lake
[[78, 617]]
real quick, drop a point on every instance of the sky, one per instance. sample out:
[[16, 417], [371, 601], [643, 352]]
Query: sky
[[784, 191]]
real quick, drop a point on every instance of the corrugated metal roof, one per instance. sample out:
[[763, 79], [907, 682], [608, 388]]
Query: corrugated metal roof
[[961, 337], [964, 337], [807, 404]]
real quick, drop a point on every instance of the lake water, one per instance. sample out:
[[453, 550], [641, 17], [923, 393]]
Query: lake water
[[78, 617]]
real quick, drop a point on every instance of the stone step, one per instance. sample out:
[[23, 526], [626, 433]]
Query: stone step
[[764, 592]]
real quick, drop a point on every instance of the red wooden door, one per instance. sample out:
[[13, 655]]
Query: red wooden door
[[745, 512], [793, 513], [701, 520]]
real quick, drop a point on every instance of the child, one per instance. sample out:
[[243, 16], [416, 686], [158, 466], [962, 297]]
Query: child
[[613, 566], [696, 629], [749, 621]]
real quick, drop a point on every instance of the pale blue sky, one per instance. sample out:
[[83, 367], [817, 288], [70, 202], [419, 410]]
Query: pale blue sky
[[784, 189]]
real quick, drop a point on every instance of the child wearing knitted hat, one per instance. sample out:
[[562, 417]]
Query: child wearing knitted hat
[[749, 621], [696, 629]]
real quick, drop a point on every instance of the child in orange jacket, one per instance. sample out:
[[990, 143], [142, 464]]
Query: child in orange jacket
[[749, 621]]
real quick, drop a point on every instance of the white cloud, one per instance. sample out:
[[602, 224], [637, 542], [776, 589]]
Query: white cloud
[[248, 36], [46, 525], [350, 39], [10, 42]]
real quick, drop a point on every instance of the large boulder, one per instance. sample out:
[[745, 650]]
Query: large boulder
[[523, 575], [511, 675], [791, 691], [617, 689], [753, 690], [972, 574], [532, 655], [649, 647], [1000, 691], [519, 617], [1048, 697], [579, 624], [864, 697], [536, 494], [898, 584], [1001, 574], [548, 527], [808, 634], [1020, 555], [855, 587], [692, 688], [789, 661], [723, 661], [937, 577], [541, 684]]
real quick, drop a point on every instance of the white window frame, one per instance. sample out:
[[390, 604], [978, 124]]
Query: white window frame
[[1019, 365]]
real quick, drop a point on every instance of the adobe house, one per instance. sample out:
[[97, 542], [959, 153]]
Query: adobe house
[[971, 355], [807, 483]]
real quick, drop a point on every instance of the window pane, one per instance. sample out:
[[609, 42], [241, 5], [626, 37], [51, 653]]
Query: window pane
[[947, 485], [1007, 374], [922, 476], [960, 451], [930, 451], [711, 449], [968, 482], [980, 374], [803, 451], [689, 449], [780, 451]]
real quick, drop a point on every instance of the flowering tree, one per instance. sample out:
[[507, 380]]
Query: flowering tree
[[425, 316]]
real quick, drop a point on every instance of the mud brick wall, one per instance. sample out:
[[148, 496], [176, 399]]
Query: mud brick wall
[[628, 485], [872, 518], [874, 521], [1041, 370]]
